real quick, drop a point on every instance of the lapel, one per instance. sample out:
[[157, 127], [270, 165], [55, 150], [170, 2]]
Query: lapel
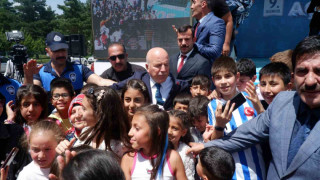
[[310, 145], [174, 66], [287, 128], [201, 27], [174, 90], [146, 80], [189, 64]]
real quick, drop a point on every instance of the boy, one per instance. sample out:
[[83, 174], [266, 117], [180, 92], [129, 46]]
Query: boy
[[198, 110], [274, 78], [215, 164], [181, 102], [247, 70], [200, 85], [249, 162], [62, 93]]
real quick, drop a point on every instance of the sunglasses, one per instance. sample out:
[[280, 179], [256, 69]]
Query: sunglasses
[[120, 56]]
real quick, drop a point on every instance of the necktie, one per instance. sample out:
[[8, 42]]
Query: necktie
[[181, 63], [196, 30], [158, 95]]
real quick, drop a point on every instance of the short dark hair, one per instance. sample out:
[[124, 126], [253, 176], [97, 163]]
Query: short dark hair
[[93, 164], [224, 63], [246, 67], [118, 44], [201, 80], [210, 4], [182, 98], [198, 106], [310, 45], [61, 82], [276, 68], [184, 28], [217, 163]]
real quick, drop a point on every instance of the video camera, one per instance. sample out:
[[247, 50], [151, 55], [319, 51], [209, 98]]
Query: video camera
[[18, 53]]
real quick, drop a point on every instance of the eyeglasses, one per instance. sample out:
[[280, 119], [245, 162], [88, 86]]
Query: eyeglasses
[[57, 95], [120, 56]]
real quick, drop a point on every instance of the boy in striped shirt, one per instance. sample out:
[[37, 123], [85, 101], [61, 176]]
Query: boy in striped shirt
[[249, 162]]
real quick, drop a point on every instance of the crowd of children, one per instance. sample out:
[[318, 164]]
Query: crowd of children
[[124, 137]]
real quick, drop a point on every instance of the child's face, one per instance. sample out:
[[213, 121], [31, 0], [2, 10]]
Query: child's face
[[132, 100], [76, 117], [175, 130], [199, 170], [88, 115], [42, 148], [270, 86], [242, 83], [225, 83], [181, 107], [30, 109], [140, 133], [197, 90], [200, 123], [61, 99]]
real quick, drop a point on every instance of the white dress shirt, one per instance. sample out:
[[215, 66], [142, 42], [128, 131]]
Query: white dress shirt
[[164, 90]]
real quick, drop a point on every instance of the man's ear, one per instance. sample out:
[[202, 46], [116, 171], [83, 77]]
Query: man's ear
[[237, 76], [147, 67], [289, 86]]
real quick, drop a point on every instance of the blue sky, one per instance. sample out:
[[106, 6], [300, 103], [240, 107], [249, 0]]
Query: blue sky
[[54, 4]]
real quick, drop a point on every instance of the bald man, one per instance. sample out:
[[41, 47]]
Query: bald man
[[160, 83]]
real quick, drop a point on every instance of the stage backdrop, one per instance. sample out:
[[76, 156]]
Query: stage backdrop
[[138, 24], [273, 26]]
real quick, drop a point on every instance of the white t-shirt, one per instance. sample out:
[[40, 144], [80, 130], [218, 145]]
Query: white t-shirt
[[33, 172], [187, 159]]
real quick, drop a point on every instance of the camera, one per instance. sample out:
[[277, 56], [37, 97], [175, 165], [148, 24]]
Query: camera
[[18, 52]]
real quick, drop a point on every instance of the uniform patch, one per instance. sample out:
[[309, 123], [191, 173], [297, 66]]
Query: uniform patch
[[73, 77], [248, 111], [10, 89]]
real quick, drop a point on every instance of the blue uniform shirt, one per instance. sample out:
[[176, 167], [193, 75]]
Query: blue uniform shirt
[[77, 73], [9, 88]]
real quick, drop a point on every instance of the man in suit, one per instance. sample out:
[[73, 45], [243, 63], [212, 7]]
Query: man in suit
[[188, 62], [161, 85], [291, 122], [209, 30], [314, 8]]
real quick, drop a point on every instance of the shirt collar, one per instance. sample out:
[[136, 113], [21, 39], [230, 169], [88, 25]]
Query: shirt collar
[[152, 82], [203, 18]]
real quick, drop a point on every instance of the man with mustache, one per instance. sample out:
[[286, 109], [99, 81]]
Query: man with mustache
[[57, 49], [188, 62], [291, 122], [121, 69]]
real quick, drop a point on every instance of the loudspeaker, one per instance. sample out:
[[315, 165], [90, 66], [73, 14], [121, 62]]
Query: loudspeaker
[[77, 45]]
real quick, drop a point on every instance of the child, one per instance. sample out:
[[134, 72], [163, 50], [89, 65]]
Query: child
[[75, 114], [249, 162], [152, 159], [199, 116], [247, 70], [200, 85], [215, 164], [179, 136], [62, 94], [43, 139], [274, 77], [31, 106], [135, 94], [181, 102]]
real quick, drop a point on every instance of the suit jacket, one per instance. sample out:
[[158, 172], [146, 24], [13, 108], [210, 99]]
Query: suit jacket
[[276, 124], [210, 37], [145, 77], [194, 65], [315, 21]]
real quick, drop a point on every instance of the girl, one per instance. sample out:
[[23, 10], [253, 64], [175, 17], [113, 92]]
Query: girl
[[134, 95], [180, 136], [43, 139], [152, 159], [106, 119], [31, 105], [75, 115]]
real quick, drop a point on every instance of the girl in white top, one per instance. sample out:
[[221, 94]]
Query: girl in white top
[[42, 140], [151, 158], [107, 122], [180, 136]]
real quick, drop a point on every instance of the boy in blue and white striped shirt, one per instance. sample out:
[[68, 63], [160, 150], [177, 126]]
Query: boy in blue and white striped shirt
[[249, 162]]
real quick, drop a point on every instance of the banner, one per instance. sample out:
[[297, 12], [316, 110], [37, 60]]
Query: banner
[[273, 8]]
